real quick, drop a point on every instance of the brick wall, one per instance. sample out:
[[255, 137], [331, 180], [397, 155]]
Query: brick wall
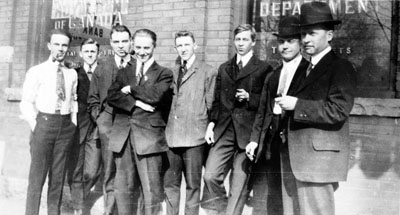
[[210, 21]]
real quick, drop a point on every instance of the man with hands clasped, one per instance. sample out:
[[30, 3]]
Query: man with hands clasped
[[139, 97], [101, 112], [237, 95]]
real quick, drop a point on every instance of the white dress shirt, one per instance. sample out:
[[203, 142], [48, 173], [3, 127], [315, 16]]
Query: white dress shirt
[[315, 59], [147, 65], [189, 62], [86, 67], [287, 72], [126, 59], [245, 59], [39, 92]]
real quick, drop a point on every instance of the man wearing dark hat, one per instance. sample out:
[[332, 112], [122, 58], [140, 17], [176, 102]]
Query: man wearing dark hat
[[315, 156], [281, 83]]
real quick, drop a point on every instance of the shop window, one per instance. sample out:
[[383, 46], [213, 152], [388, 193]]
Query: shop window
[[364, 38]]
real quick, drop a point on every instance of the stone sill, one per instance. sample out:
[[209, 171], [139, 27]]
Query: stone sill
[[376, 107], [362, 106]]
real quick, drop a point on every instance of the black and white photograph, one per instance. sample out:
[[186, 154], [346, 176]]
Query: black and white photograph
[[199, 107]]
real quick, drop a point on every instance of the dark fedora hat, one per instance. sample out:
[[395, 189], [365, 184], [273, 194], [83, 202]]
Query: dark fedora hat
[[289, 26], [314, 13]]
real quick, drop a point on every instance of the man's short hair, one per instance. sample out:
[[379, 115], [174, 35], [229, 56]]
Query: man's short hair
[[146, 32], [90, 41], [184, 33], [120, 28], [60, 32], [245, 27]]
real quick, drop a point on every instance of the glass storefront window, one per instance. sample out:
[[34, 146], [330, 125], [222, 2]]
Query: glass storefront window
[[364, 38]]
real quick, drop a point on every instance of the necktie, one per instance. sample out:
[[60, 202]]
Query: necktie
[[281, 89], [309, 68], [240, 65], [182, 72], [139, 76], [121, 64], [282, 81], [90, 73], [237, 69], [60, 84]]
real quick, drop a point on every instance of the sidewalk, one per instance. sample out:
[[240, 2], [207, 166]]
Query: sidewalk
[[13, 197]]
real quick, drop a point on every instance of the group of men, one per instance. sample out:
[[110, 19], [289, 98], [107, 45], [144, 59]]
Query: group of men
[[140, 126]]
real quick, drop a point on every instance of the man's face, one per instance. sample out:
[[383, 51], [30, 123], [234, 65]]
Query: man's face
[[121, 44], [185, 47], [58, 46], [89, 53], [289, 48], [243, 43], [315, 40], [143, 47]]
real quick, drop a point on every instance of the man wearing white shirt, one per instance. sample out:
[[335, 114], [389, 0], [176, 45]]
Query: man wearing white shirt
[[236, 98], [101, 112], [50, 107], [282, 82]]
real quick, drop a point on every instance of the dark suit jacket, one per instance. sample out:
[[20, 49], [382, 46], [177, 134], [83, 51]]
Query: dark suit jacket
[[318, 130], [265, 126], [100, 111], [148, 128], [85, 123], [226, 109], [105, 75]]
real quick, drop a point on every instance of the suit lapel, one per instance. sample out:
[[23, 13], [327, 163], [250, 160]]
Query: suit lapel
[[150, 73], [250, 67], [230, 67], [299, 76], [130, 71], [275, 80], [317, 71], [85, 82], [191, 71]]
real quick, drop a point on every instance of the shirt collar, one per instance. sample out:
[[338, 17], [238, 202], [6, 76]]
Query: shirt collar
[[56, 63], [147, 65], [294, 62], [245, 59], [117, 58], [86, 66], [315, 59], [190, 62]]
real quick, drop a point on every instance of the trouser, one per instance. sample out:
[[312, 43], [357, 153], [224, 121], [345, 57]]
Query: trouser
[[189, 161], [304, 198], [266, 184], [84, 167], [50, 142], [224, 154], [104, 123], [135, 172]]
